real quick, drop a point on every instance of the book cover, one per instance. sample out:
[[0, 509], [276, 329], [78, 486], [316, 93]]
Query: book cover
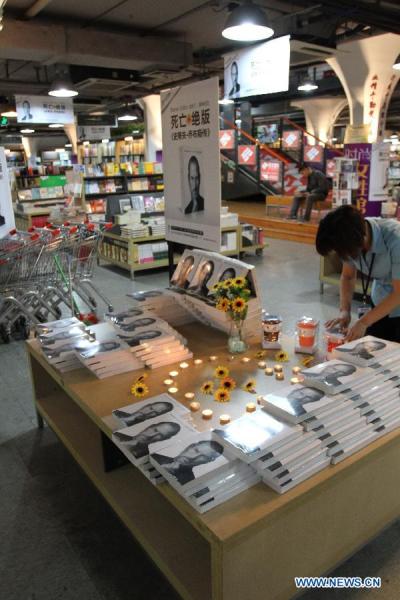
[[296, 403], [138, 412], [366, 351], [335, 376]]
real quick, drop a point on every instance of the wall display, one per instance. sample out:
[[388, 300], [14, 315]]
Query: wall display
[[227, 139], [268, 134], [291, 140], [247, 155], [380, 162], [93, 132], [330, 167], [190, 123], [270, 170], [261, 69], [314, 154], [44, 109], [6, 210]]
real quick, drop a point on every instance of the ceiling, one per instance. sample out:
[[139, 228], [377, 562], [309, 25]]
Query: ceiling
[[118, 50]]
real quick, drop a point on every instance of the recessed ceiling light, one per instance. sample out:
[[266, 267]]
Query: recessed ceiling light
[[68, 145], [127, 117], [9, 113], [128, 138], [224, 101], [394, 136], [86, 143], [56, 125], [27, 131], [247, 23], [105, 141], [61, 88], [307, 86]]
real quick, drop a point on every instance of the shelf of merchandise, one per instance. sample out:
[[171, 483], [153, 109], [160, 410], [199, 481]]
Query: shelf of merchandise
[[330, 268], [23, 221]]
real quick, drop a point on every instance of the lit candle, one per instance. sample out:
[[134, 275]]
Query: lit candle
[[213, 358], [296, 370], [260, 399], [173, 373], [231, 358], [269, 371], [277, 369], [189, 395], [262, 364], [198, 361], [168, 381], [194, 406], [279, 376], [294, 380], [207, 414], [246, 359], [173, 390], [251, 407], [184, 365], [224, 419]]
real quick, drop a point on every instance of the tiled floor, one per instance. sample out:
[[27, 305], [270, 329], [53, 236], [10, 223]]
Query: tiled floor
[[59, 540]]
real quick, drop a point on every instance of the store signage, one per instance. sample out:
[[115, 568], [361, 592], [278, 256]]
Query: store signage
[[7, 221], [270, 170], [44, 109], [227, 139], [93, 132], [361, 152], [330, 167], [247, 155], [291, 140], [99, 120], [261, 69], [313, 154], [192, 181], [380, 162]]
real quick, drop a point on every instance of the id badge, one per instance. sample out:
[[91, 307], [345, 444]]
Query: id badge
[[362, 310]]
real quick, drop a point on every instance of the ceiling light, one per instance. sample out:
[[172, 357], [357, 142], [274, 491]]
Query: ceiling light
[[247, 23], [9, 113], [59, 150], [397, 63], [105, 141], [307, 86], [226, 101], [127, 116], [61, 88], [136, 131], [27, 131], [56, 125], [68, 145], [394, 136], [128, 138], [334, 139], [86, 143]]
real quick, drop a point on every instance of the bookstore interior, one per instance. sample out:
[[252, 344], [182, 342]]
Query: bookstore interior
[[179, 183]]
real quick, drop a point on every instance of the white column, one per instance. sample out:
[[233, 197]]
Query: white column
[[72, 135], [320, 114], [152, 125]]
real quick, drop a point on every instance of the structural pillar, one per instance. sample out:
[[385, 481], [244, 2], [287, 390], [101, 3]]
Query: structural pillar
[[320, 114], [152, 123]]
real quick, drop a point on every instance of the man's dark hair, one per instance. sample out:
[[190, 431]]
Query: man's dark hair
[[303, 166], [342, 231], [194, 161]]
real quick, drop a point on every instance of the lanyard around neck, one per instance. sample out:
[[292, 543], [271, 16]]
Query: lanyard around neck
[[365, 282]]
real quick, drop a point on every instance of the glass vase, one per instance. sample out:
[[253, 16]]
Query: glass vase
[[236, 343]]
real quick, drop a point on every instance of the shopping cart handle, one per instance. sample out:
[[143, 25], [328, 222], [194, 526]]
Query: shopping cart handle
[[13, 231], [55, 232], [108, 225]]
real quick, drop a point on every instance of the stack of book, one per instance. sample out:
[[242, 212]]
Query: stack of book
[[283, 455], [147, 426], [202, 470], [134, 230], [162, 303], [58, 341]]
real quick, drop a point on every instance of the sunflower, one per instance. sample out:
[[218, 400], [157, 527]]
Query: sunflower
[[238, 305], [223, 304], [306, 361], [250, 386], [139, 389], [222, 395], [215, 287], [207, 387], [228, 384], [282, 356], [226, 284], [221, 372], [261, 354], [239, 281]]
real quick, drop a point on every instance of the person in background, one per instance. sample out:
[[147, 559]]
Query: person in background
[[372, 247], [317, 190]]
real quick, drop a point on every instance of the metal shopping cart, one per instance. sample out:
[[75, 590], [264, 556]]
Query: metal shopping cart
[[45, 271]]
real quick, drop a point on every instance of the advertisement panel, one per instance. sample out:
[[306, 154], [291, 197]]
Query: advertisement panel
[[93, 132], [192, 184], [291, 140], [7, 221], [227, 139], [313, 154], [270, 170], [261, 69], [247, 155], [44, 109]]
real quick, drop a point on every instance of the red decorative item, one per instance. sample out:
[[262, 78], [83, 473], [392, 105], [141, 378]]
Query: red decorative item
[[227, 139], [314, 154], [247, 155], [291, 140]]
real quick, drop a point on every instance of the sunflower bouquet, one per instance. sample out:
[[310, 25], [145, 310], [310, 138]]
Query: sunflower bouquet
[[231, 297]]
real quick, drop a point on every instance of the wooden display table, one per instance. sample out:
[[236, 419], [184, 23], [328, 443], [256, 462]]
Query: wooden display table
[[251, 547]]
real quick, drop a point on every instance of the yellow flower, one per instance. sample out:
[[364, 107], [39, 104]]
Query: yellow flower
[[221, 372], [207, 387], [139, 389], [239, 281], [227, 283], [223, 304], [238, 305], [282, 356], [261, 354], [222, 395], [215, 287], [250, 386], [306, 361], [228, 383]]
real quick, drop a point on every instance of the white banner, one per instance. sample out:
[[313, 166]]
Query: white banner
[[44, 109], [261, 69], [93, 132], [6, 209], [191, 164], [379, 172]]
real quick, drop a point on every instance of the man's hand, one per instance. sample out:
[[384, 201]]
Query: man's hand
[[357, 331], [342, 321]]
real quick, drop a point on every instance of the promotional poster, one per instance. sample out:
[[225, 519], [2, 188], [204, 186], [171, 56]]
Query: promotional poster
[[261, 69], [6, 210], [44, 109], [192, 187]]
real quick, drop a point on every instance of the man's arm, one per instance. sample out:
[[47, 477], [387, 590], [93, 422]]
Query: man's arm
[[347, 284]]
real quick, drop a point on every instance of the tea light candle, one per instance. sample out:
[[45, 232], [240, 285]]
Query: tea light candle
[[224, 419], [277, 369], [260, 399], [262, 364], [251, 407], [296, 370], [189, 395], [269, 371], [194, 406], [294, 380], [207, 414], [173, 390], [184, 365], [213, 358], [246, 359], [279, 376], [173, 373], [198, 361], [231, 358], [168, 381]]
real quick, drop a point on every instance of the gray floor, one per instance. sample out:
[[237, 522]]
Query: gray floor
[[58, 538]]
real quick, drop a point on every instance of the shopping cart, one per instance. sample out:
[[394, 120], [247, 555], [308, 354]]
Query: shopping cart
[[45, 272]]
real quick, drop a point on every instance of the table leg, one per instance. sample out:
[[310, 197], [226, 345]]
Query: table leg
[[113, 458]]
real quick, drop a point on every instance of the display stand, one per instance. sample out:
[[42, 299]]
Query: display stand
[[253, 545]]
